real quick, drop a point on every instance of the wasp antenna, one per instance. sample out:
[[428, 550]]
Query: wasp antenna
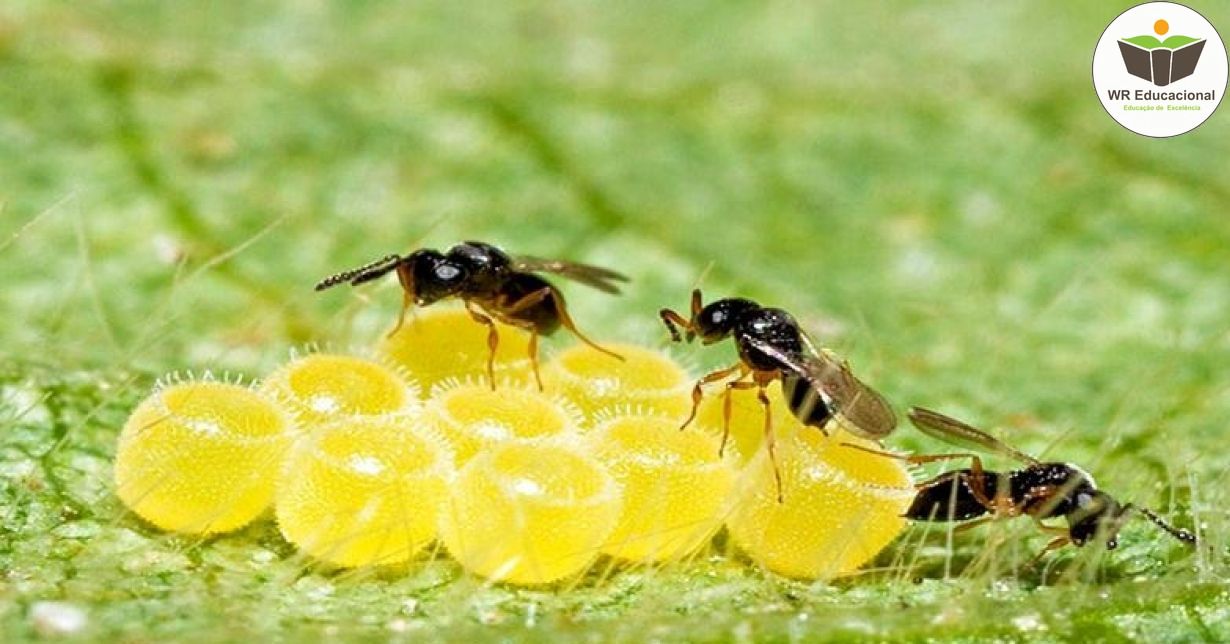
[[1177, 533], [368, 271]]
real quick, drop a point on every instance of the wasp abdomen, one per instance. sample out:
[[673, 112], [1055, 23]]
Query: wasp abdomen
[[805, 401], [950, 497], [542, 314]]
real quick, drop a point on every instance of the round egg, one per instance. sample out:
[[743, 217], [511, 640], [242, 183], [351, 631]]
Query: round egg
[[676, 487], [320, 387], [444, 343], [365, 490], [201, 457], [474, 417], [840, 506], [530, 513], [645, 379]]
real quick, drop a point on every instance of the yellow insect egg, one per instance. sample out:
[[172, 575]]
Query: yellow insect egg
[[596, 382], [676, 488], [444, 343], [365, 490], [841, 506], [473, 417], [320, 387], [530, 512], [201, 457], [746, 417]]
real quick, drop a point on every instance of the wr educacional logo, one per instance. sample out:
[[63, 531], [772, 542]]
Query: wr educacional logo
[[1161, 62], [1180, 58]]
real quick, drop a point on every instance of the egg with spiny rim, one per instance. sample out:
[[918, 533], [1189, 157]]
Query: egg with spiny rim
[[200, 457], [840, 506], [676, 487], [595, 382], [365, 490], [444, 343], [530, 513], [473, 417], [320, 387]]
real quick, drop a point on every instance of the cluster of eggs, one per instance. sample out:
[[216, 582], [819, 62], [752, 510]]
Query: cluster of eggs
[[370, 460]]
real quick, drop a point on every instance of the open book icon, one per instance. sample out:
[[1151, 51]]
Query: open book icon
[[1161, 62]]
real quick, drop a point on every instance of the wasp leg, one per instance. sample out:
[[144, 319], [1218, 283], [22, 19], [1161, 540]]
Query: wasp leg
[[698, 393], [565, 320], [674, 322], [770, 441], [1052, 494], [970, 525], [1055, 544], [407, 298], [976, 478], [762, 380], [726, 409], [509, 314], [493, 340], [532, 347], [1058, 531]]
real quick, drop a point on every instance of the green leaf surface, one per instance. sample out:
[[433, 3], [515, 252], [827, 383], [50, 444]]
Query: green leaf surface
[[932, 190]]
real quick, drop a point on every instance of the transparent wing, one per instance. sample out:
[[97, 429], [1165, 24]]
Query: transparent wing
[[952, 431], [597, 277], [862, 409]]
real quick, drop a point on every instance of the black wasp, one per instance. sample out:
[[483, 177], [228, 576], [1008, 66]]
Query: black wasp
[[492, 285], [1039, 490], [818, 386]]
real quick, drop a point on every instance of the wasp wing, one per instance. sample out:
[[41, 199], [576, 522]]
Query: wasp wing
[[861, 409], [597, 277], [955, 432]]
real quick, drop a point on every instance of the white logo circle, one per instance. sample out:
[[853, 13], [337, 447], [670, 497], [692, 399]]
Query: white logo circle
[[1160, 69]]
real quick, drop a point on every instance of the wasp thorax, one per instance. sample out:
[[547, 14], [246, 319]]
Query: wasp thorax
[[484, 265]]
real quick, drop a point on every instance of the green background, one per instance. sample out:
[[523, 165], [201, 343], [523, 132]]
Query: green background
[[932, 188]]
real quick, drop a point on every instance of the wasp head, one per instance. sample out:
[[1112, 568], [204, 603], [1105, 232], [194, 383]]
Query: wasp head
[[433, 276], [1097, 514], [717, 321]]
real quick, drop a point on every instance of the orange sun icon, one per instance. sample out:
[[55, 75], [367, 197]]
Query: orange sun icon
[[1161, 27]]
